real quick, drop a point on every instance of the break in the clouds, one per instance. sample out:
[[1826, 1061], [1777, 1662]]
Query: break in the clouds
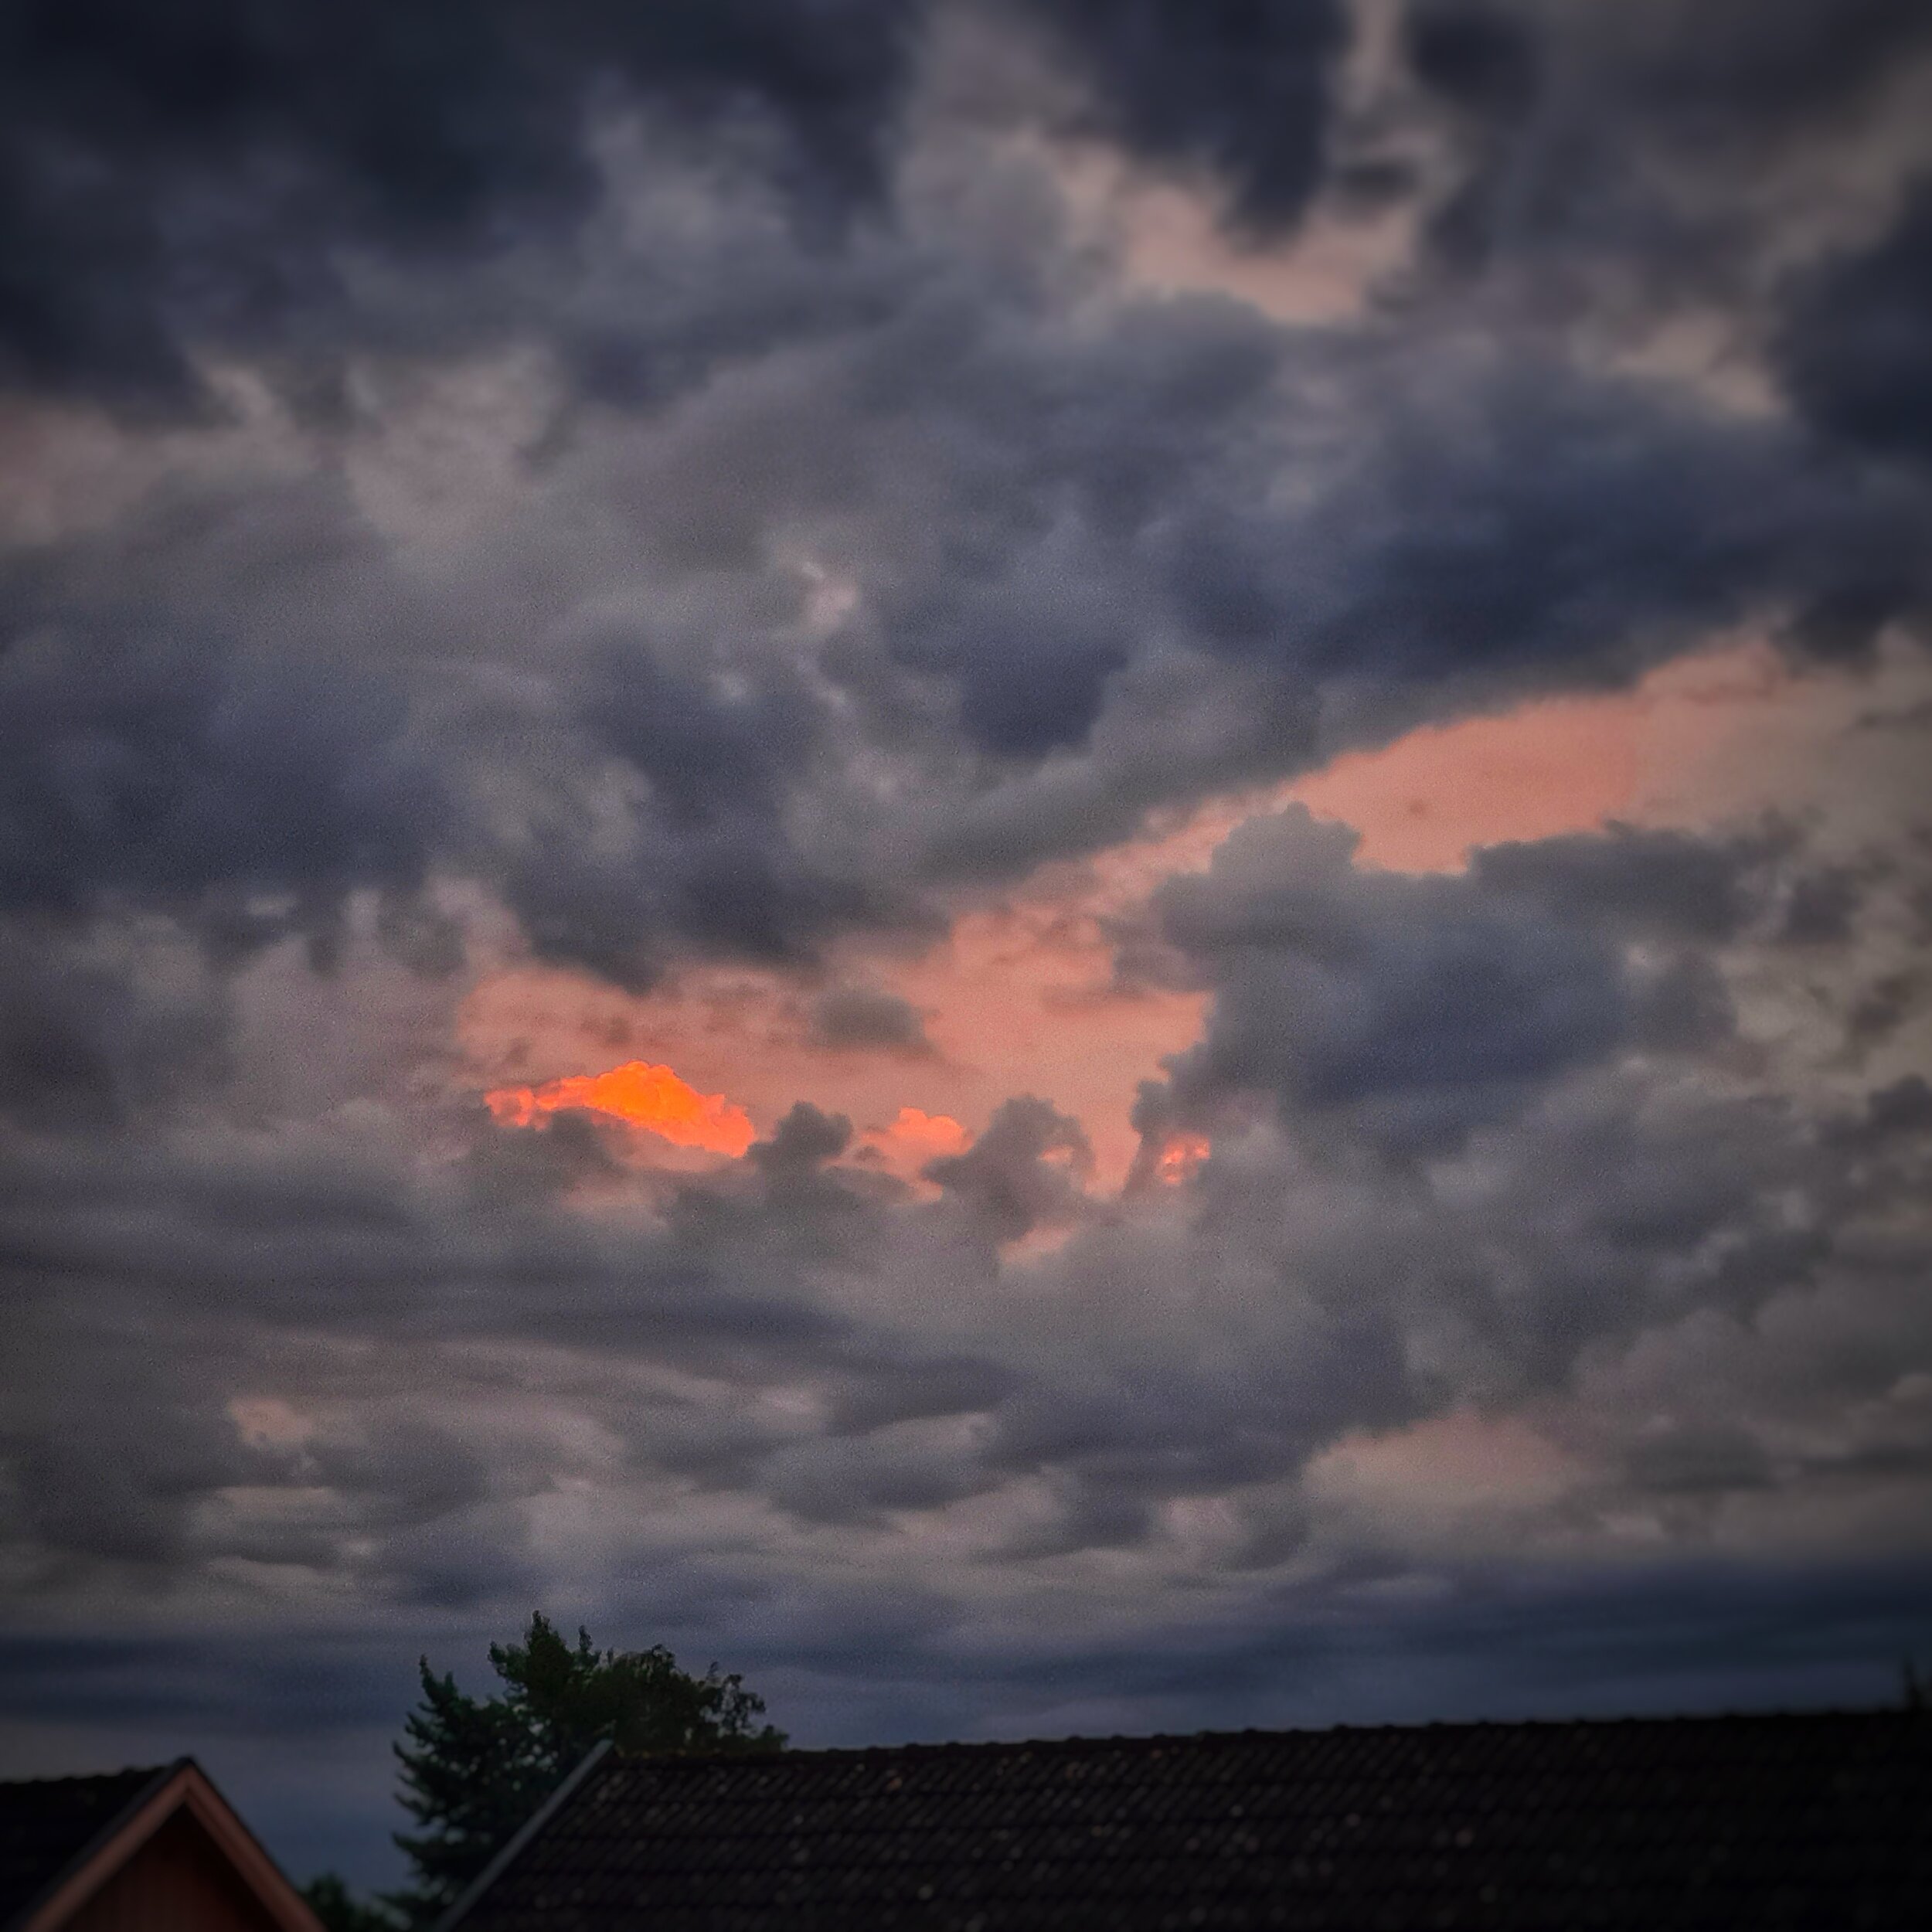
[[675, 684]]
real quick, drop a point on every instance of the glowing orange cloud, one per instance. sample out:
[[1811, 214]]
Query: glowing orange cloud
[[914, 1139], [1181, 1156], [644, 1096], [931, 1134]]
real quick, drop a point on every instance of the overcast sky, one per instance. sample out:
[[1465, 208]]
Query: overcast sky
[[1063, 866]]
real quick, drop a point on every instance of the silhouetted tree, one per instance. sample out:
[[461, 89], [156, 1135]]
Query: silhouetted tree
[[474, 1769]]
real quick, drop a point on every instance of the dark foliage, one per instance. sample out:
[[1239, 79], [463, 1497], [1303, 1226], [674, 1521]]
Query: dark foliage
[[474, 1769]]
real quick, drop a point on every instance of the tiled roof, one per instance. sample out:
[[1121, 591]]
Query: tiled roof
[[1749, 1822], [46, 1824]]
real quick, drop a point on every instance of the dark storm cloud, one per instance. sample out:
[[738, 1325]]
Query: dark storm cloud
[[712, 865], [1747, 71], [1095, 569], [1483, 59], [707, 757], [1240, 88], [339, 1231], [803, 1141], [1769, 66], [1822, 905], [171, 745], [173, 183], [167, 177], [1696, 1459], [1882, 1007], [1215, 552], [862, 1017], [1901, 1111], [1854, 345], [1667, 1640], [733, 886], [156, 759], [1024, 1171], [1056, 478], [1646, 884], [86, 1041], [1631, 142], [1547, 1024], [1420, 1007], [249, 1255], [1517, 523], [121, 1488], [1426, 1007], [1507, 525], [178, 1680]]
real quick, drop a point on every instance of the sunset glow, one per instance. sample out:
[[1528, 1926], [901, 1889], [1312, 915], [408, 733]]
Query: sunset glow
[[1181, 1155], [913, 1141], [1023, 994], [651, 1098]]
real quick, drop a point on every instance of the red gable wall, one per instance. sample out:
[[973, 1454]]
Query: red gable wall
[[178, 1881]]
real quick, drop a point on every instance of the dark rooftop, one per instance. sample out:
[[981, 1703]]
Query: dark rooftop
[[46, 1824], [1758, 1822]]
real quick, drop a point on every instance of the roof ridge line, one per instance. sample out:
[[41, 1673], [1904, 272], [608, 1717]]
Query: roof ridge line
[[1082, 1741]]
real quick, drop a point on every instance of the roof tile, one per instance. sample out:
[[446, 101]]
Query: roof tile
[[1775, 1822]]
